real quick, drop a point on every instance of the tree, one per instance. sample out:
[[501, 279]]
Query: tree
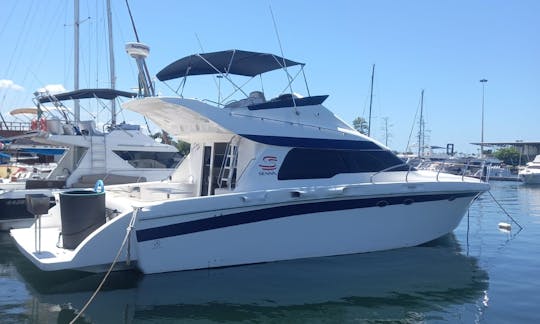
[[182, 147], [509, 155], [361, 125]]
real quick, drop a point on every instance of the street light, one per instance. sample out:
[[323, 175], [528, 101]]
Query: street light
[[483, 81]]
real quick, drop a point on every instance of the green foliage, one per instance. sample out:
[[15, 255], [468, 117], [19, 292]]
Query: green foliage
[[361, 125], [509, 155], [182, 147]]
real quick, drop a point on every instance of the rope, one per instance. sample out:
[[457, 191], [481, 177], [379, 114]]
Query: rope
[[504, 210], [128, 232]]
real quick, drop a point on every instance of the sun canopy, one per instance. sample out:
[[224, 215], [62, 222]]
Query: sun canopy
[[232, 62], [107, 94], [20, 111]]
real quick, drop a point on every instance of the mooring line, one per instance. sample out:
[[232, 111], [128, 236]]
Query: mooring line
[[504, 210], [128, 232]]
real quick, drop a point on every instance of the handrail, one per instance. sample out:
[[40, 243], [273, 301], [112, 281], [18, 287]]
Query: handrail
[[239, 177], [407, 175], [388, 169], [465, 170], [441, 167], [15, 126], [319, 127]]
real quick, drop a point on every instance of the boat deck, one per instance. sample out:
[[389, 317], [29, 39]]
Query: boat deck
[[50, 255]]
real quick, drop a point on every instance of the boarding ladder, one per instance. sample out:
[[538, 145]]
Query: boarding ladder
[[227, 173], [99, 161]]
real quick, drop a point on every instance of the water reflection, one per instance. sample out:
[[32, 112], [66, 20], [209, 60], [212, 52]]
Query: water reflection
[[399, 285]]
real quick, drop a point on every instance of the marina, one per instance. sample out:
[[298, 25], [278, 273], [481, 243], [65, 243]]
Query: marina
[[251, 171], [473, 275]]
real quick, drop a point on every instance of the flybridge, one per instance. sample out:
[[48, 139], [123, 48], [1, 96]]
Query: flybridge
[[226, 63]]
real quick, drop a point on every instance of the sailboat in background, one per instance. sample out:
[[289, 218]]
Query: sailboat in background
[[436, 158], [116, 154]]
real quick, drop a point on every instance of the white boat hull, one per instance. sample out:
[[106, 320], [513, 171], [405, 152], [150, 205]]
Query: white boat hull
[[283, 232], [530, 178], [236, 229]]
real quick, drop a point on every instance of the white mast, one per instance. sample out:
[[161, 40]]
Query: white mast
[[370, 100], [421, 127], [111, 61], [483, 81], [77, 107]]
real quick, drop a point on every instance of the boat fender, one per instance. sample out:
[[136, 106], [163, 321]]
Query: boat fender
[[34, 124], [505, 226], [43, 124], [99, 186]]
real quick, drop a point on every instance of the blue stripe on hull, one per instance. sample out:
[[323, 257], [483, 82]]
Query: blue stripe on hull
[[259, 215], [320, 143]]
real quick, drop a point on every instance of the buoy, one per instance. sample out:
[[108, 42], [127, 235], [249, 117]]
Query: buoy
[[505, 226]]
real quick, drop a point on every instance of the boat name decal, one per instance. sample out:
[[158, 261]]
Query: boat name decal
[[268, 165]]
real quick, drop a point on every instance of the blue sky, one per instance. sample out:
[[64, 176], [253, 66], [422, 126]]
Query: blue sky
[[443, 47]]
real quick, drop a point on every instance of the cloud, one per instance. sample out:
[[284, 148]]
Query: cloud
[[8, 84], [52, 88]]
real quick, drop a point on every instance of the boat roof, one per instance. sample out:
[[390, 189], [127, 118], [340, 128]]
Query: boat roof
[[233, 61], [193, 121], [20, 111], [107, 94]]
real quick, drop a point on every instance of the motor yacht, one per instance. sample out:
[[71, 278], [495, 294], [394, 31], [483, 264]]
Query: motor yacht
[[120, 153], [265, 180], [531, 173]]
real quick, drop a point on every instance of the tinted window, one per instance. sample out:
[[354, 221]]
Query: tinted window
[[151, 160], [302, 163]]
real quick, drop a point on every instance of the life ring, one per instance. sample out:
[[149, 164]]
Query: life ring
[[34, 124], [43, 124], [99, 186]]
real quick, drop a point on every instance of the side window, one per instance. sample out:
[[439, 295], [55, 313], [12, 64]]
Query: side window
[[302, 163], [143, 159]]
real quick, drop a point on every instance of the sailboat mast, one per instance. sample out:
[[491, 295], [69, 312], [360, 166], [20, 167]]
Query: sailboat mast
[[371, 100], [421, 127], [111, 62], [77, 107]]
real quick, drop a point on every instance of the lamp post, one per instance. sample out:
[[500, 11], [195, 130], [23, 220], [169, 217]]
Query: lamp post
[[483, 81]]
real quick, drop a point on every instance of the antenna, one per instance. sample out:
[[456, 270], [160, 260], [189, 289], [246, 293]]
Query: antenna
[[283, 57], [199, 41], [219, 77], [139, 52], [144, 75]]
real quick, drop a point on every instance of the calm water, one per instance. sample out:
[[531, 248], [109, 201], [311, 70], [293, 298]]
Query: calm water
[[477, 274]]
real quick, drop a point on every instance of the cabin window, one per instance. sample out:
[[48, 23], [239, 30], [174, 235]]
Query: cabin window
[[151, 160], [304, 163]]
